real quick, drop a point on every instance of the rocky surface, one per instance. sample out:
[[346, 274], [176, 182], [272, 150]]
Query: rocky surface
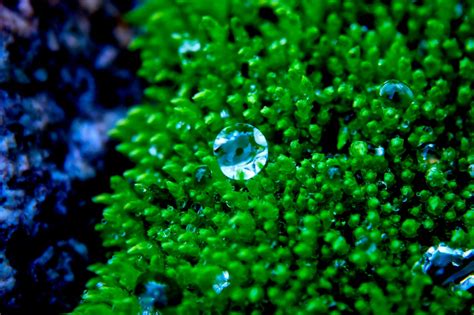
[[66, 77]]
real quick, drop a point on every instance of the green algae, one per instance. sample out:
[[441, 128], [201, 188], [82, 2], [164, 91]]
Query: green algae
[[347, 203]]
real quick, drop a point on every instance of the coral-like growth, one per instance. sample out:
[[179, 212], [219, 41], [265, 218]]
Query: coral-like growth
[[359, 182]]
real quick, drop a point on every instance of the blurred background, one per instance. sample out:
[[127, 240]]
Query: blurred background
[[66, 77]]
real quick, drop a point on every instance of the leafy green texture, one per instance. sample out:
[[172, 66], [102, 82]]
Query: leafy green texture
[[357, 186]]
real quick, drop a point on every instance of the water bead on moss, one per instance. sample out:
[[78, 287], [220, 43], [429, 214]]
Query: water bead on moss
[[202, 173], [222, 282], [189, 46], [407, 171], [334, 172], [156, 291], [241, 150], [153, 296], [396, 92], [429, 153]]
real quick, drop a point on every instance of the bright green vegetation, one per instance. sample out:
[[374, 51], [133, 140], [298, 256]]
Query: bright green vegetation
[[333, 223]]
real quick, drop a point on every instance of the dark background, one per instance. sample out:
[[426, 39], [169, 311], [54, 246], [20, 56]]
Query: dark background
[[66, 76]]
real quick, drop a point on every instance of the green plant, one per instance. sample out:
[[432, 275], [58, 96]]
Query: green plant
[[357, 185]]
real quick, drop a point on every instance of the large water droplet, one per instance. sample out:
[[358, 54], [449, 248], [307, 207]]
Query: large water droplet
[[241, 150], [396, 92], [222, 282]]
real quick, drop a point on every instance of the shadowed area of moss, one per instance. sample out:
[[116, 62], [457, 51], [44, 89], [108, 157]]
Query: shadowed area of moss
[[359, 182]]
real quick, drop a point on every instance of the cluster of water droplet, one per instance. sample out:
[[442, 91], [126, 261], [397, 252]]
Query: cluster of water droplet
[[242, 150]]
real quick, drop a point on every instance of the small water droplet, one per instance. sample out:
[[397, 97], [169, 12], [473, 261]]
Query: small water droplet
[[334, 172], [153, 151], [155, 291], [428, 130], [222, 282], [362, 241], [405, 125], [429, 153], [241, 150], [153, 296], [396, 92], [382, 185], [202, 174], [379, 151], [339, 263], [224, 114], [183, 125], [471, 170], [189, 46]]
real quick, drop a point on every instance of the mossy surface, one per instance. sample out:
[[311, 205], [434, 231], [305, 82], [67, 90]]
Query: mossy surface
[[357, 186]]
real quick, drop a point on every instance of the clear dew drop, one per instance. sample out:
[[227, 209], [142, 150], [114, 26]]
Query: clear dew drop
[[471, 170], [429, 153], [156, 291], [153, 296], [382, 185], [224, 114], [221, 282], [189, 46], [241, 150], [334, 172], [202, 174], [396, 92], [379, 151]]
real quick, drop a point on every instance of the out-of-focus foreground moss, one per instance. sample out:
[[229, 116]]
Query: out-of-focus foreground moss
[[356, 189]]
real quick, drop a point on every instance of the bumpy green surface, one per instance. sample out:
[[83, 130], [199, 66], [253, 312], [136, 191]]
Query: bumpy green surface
[[328, 226]]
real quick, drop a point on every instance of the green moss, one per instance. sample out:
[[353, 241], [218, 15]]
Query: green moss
[[349, 200]]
